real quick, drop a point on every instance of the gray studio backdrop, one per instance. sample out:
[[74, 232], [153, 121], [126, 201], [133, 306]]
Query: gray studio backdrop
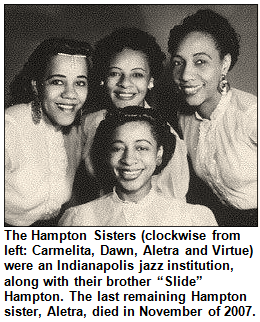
[[27, 25]]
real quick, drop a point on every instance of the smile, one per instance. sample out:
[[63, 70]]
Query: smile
[[130, 175], [66, 108], [191, 90], [125, 96]]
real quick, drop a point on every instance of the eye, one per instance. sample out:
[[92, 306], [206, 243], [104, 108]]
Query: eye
[[138, 75], [176, 63], [116, 148], [141, 148], [113, 74], [200, 62], [81, 83], [56, 82]]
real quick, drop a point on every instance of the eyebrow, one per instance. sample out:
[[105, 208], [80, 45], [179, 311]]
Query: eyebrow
[[197, 54], [63, 76], [137, 141], [202, 53], [131, 69]]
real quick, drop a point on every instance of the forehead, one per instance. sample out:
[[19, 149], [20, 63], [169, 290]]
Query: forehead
[[129, 57], [134, 131], [67, 65], [196, 42]]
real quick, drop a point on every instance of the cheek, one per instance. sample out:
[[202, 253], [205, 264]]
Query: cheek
[[110, 84], [143, 86], [82, 94], [150, 160], [50, 94], [176, 75], [113, 160]]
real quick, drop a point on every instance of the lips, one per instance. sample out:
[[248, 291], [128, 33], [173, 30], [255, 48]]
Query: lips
[[191, 90], [66, 107], [125, 96], [130, 174]]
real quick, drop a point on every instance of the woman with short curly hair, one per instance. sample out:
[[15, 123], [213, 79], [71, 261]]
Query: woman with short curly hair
[[220, 124]]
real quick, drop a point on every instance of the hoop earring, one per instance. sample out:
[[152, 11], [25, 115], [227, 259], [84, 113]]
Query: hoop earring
[[36, 110], [223, 85]]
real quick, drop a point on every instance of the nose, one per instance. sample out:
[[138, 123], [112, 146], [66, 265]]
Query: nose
[[124, 81], [129, 157], [187, 72], [69, 92]]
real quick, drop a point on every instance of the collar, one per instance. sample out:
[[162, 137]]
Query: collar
[[219, 110], [143, 202], [146, 105]]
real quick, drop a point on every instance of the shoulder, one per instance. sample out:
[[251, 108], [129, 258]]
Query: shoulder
[[94, 118], [18, 120], [91, 121], [244, 111], [198, 215], [20, 113], [245, 102], [202, 216], [185, 119], [92, 213]]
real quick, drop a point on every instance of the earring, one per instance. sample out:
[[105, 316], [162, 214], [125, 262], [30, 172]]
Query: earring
[[223, 86], [36, 110], [101, 83]]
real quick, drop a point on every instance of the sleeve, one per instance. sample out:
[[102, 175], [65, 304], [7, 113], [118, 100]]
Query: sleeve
[[90, 125], [68, 217], [203, 216], [181, 123], [83, 215], [12, 146], [173, 181], [21, 193], [252, 126]]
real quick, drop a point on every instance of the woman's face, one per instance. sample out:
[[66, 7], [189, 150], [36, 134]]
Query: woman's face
[[65, 88], [133, 158], [128, 78], [197, 69]]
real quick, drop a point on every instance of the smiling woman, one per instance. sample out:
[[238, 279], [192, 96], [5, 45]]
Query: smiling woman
[[127, 64], [132, 144], [220, 130], [42, 133]]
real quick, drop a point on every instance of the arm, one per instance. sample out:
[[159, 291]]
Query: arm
[[22, 191], [174, 179], [90, 125], [68, 218], [203, 216]]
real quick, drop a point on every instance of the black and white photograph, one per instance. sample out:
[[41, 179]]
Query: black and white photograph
[[130, 115]]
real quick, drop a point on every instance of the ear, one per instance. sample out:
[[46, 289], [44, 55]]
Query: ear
[[226, 64], [159, 156], [151, 83], [34, 87]]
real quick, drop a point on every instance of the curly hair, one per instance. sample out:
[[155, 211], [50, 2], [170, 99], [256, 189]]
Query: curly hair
[[34, 69], [208, 22], [102, 141], [133, 38]]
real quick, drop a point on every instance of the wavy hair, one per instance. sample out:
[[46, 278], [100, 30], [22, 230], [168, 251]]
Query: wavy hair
[[208, 22], [34, 69], [102, 141], [133, 38]]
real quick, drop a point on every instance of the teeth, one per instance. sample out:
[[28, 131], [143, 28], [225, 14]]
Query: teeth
[[121, 95], [130, 174], [192, 90], [66, 107]]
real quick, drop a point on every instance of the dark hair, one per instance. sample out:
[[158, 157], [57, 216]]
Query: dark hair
[[100, 148], [212, 23], [21, 89], [120, 39]]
